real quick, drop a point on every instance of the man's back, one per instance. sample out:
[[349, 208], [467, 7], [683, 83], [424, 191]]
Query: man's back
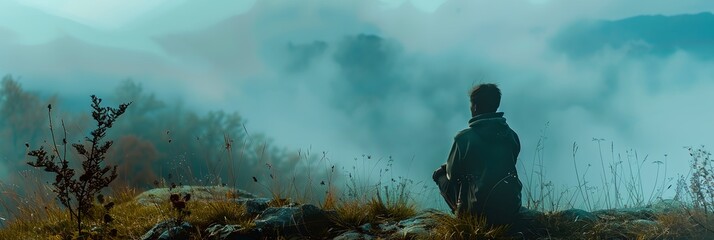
[[482, 163], [479, 177]]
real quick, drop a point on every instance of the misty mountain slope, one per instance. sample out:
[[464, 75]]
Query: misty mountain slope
[[252, 42], [655, 35], [31, 24], [68, 54]]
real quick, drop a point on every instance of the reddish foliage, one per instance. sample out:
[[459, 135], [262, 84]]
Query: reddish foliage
[[135, 157]]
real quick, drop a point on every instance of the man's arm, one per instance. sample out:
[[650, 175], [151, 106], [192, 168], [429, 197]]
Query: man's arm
[[454, 164], [518, 144], [446, 187]]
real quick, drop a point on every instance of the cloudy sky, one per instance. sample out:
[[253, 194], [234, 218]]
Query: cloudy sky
[[390, 77]]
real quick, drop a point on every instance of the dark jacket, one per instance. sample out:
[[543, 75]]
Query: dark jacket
[[484, 156]]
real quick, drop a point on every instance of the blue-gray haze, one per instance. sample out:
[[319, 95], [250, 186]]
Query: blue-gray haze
[[390, 77]]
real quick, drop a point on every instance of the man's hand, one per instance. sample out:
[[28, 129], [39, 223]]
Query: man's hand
[[439, 172]]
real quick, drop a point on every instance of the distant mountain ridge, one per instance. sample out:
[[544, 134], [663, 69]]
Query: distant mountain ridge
[[646, 35]]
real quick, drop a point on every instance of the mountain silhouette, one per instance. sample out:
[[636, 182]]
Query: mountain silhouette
[[653, 35]]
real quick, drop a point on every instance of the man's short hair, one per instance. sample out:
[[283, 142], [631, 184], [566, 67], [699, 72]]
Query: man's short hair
[[487, 97]]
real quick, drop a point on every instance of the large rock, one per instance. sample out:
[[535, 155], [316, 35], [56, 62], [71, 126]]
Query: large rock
[[304, 220], [168, 230], [416, 227], [198, 193]]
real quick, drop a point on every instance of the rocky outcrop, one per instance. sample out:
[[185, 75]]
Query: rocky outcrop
[[416, 227], [291, 220], [307, 220], [198, 193]]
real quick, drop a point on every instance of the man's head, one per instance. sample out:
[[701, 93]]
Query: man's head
[[485, 98]]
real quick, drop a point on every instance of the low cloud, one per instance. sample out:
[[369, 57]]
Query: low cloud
[[354, 77]]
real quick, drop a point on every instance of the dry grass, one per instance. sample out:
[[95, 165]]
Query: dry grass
[[680, 224], [390, 210], [560, 227], [624, 229], [330, 201], [351, 214], [450, 227], [38, 223], [205, 214], [123, 194], [131, 219]]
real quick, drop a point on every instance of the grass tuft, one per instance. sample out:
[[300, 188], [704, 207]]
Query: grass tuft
[[351, 214], [386, 210], [469, 227], [205, 214]]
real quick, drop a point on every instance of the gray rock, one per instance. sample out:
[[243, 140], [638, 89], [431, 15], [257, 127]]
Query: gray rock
[[168, 230], [352, 235], [388, 227], [303, 220], [227, 232], [198, 193], [411, 232], [367, 227], [417, 226]]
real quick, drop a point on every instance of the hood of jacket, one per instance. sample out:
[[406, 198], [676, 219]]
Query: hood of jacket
[[488, 118]]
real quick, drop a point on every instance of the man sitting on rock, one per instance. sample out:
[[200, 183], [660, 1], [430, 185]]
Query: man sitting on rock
[[479, 178]]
